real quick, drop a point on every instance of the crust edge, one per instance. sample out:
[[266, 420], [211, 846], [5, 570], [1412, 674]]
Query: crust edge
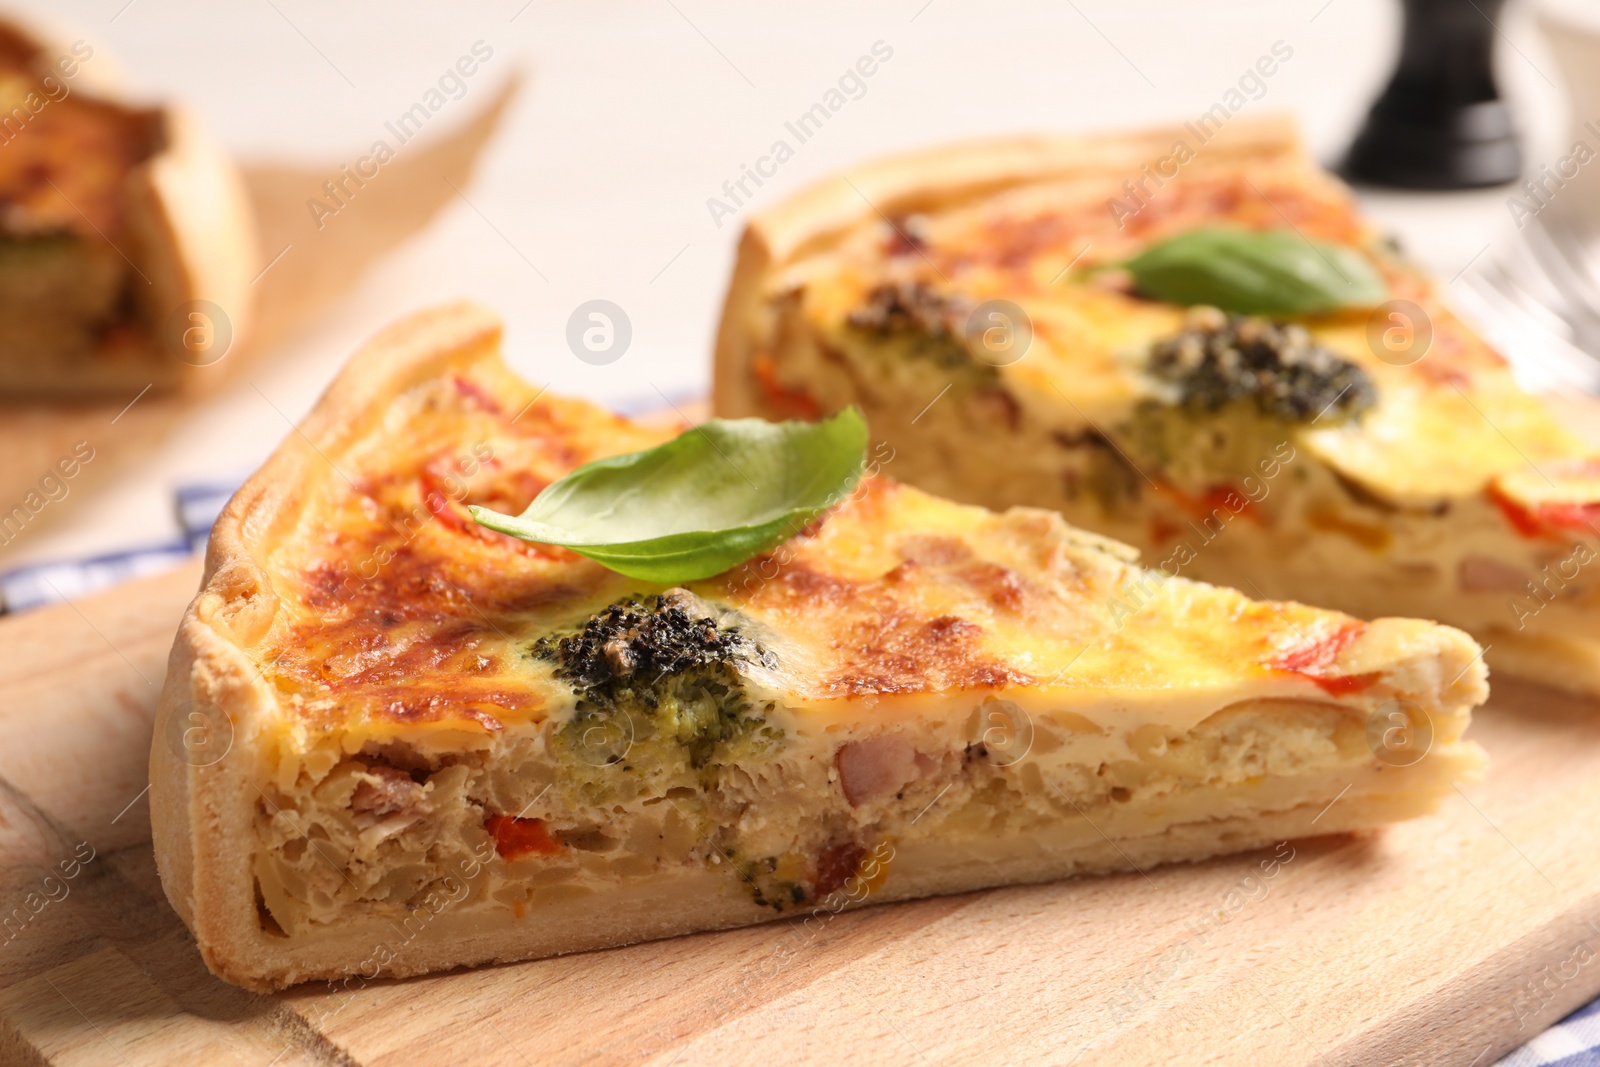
[[197, 214], [199, 811]]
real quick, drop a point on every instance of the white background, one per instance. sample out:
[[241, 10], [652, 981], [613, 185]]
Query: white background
[[635, 113]]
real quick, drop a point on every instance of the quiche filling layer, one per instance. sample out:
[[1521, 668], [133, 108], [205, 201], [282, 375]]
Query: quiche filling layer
[[906, 688], [678, 756], [1211, 490], [1378, 462]]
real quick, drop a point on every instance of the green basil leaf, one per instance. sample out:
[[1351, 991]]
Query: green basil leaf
[[1263, 272], [705, 501]]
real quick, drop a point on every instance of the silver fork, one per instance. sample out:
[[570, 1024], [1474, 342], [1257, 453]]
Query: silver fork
[[1537, 301]]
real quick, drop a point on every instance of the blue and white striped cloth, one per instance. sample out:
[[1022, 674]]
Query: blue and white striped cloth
[[196, 508], [1573, 1042]]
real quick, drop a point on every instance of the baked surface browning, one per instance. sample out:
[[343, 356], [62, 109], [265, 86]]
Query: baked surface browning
[[1376, 461], [515, 751]]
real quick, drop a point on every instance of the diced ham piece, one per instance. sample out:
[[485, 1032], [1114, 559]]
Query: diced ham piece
[[876, 767], [1481, 574], [385, 791]]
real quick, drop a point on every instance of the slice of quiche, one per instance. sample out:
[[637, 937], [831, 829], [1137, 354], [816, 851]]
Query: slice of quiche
[[984, 306], [126, 242], [393, 741]]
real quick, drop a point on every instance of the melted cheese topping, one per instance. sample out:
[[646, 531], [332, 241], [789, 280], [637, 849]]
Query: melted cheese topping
[[402, 617], [1446, 426]]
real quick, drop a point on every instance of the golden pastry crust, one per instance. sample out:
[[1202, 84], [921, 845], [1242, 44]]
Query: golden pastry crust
[[404, 747]]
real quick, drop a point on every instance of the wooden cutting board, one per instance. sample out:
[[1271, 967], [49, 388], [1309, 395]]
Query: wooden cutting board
[[1446, 940]]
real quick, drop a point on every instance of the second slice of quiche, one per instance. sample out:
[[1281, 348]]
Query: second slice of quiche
[[1026, 321], [394, 741]]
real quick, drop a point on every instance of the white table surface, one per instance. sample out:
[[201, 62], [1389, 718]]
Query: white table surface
[[635, 114]]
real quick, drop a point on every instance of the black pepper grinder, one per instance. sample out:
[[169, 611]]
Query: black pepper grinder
[[1440, 124]]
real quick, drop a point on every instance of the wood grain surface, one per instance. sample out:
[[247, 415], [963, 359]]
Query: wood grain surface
[[1443, 941]]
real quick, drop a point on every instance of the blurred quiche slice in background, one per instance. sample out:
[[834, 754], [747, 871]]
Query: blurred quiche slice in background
[[393, 740], [126, 241], [1191, 341]]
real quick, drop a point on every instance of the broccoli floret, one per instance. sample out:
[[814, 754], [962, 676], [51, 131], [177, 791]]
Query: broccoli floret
[[1218, 359], [667, 660]]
